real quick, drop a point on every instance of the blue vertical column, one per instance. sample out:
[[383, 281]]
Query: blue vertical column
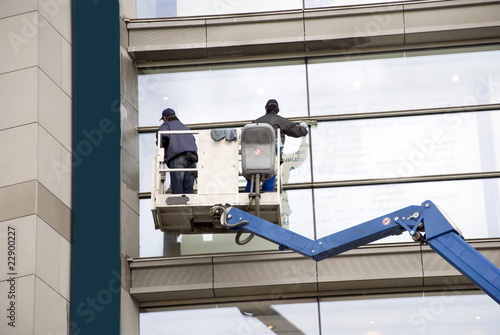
[[95, 259]]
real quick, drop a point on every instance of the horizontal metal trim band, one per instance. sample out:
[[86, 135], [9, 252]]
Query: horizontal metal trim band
[[339, 117], [381, 181]]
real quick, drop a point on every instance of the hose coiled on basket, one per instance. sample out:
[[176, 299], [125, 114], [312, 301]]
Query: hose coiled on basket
[[234, 225]]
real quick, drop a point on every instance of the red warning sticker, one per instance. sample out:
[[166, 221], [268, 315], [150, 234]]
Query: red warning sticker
[[386, 221], [257, 152]]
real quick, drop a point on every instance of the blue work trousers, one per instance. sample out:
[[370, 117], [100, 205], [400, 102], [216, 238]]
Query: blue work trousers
[[182, 182], [267, 185]]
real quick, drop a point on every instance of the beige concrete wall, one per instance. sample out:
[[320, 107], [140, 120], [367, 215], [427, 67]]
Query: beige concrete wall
[[35, 165], [129, 321]]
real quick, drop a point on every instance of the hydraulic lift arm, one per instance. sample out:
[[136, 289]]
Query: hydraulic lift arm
[[425, 223]]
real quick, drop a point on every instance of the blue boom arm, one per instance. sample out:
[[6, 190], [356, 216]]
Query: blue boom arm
[[425, 223]]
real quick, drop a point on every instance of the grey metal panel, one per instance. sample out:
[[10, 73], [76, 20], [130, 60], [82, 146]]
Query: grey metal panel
[[254, 33], [189, 55], [345, 29], [372, 268], [175, 279], [267, 274], [257, 50], [18, 200], [458, 21], [53, 211], [168, 36]]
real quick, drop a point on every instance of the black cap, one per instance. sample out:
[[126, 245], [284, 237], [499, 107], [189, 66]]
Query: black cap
[[272, 104], [167, 112]]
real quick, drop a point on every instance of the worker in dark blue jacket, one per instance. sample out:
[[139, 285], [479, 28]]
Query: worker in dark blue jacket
[[180, 152], [286, 127]]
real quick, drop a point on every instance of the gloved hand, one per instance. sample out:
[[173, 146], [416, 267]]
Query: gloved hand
[[303, 124]]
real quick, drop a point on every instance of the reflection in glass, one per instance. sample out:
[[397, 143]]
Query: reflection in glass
[[473, 205], [441, 313], [296, 167], [253, 317], [222, 93], [404, 81], [297, 212], [406, 146], [150, 239], [410, 314], [200, 244], [147, 150]]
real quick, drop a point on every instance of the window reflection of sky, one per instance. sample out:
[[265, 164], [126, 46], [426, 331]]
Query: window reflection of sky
[[405, 146], [438, 314], [220, 94], [403, 81], [159, 8], [474, 314], [168, 8], [464, 201], [340, 85], [216, 321]]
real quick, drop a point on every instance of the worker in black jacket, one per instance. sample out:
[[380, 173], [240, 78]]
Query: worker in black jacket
[[286, 127]]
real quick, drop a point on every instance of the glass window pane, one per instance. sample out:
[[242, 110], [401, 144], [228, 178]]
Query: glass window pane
[[297, 212], [147, 150], [296, 167], [397, 315], [404, 81], [199, 244], [254, 317], [406, 146], [222, 93], [150, 239], [473, 205], [175, 8]]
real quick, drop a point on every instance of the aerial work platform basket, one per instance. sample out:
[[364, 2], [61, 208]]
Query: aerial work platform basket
[[222, 174]]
